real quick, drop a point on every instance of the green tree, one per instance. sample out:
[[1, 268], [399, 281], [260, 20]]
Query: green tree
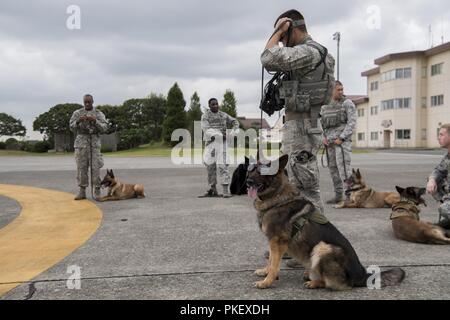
[[175, 113], [10, 126], [229, 103], [56, 120], [194, 113], [155, 112], [114, 115]]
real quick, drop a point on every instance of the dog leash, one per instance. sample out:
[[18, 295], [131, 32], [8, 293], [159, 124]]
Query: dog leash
[[325, 151], [90, 160]]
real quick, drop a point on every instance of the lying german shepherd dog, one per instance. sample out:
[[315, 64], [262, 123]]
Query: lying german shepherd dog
[[118, 190], [292, 224], [406, 221], [362, 196]]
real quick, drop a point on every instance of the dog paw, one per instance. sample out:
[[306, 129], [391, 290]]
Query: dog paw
[[338, 206], [306, 276], [262, 285], [313, 285], [262, 272]]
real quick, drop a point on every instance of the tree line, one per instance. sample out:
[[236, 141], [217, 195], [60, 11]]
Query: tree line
[[137, 121]]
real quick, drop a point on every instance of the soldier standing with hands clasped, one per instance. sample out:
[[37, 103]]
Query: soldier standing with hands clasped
[[88, 123], [338, 122]]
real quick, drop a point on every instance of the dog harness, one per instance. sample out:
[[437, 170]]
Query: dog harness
[[405, 208], [299, 223]]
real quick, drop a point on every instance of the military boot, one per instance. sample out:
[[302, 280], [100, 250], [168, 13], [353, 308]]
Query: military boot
[[444, 223], [294, 264], [81, 194], [286, 256], [226, 192], [211, 193], [337, 199], [97, 193]]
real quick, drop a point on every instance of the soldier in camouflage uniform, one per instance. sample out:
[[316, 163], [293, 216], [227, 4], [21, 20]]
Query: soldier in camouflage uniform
[[310, 84], [214, 124], [438, 182], [88, 123], [338, 122]]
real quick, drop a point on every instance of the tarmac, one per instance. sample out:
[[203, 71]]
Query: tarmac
[[172, 245]]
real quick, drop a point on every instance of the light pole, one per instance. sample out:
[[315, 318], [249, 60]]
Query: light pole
[[337, 36]]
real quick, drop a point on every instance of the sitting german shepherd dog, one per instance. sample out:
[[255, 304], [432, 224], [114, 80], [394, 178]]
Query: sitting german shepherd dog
[[292, 224], [118, 190], [362, 196], [406, 221]]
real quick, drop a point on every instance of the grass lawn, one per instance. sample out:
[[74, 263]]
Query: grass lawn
[[149, 150]]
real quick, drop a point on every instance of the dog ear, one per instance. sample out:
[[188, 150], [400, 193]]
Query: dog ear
[[358, 174], [411, 191], [111, 173], [247, 161], [399, 189], [282, 162]]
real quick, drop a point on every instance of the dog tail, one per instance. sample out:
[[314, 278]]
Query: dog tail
[[392, 277]]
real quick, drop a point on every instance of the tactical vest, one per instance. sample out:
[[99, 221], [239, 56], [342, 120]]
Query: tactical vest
[[217, 120], [333, 115], [86, 127], [306, 92]]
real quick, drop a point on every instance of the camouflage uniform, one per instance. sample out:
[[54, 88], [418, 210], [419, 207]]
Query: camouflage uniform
[[214, 126], [308, 64], [339, 121], [84, 130], [440, 175]]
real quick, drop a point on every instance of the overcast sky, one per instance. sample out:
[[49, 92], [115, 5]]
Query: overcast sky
[[128, 49]]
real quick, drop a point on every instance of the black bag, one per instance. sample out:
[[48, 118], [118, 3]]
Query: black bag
[[271, 101]]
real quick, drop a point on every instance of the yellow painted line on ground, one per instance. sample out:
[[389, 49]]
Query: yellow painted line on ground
[[50, 226]]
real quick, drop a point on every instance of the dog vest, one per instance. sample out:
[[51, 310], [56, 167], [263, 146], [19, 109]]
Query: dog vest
[[405, 208], [300, 222]]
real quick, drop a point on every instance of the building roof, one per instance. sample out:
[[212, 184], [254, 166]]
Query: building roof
[[358, 99], [404, 55], [252, 123]]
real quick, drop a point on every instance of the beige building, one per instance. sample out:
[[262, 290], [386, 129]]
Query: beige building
[[408, 99]]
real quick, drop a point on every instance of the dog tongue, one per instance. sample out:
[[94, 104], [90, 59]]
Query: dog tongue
[[252, 193]]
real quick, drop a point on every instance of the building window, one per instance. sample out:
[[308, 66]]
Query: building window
[[387, 105], [374, 86], [360, 113], [424, 134], [402, 73], [374, 111], [400, 103], [374, 136], [424, 102], [361, 136], [403, 134], [436, 69], [407, 73], [437, 100]]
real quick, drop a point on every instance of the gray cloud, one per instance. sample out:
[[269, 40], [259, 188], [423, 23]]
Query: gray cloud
[[130, 49]]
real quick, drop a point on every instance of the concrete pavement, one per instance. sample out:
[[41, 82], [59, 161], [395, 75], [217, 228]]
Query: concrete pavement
[[173, 245]]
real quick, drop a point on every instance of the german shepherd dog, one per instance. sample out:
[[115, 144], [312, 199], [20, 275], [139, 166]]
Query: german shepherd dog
[[239, 181], [406, 221], [118, 190], [328, 257], [362, 196]]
